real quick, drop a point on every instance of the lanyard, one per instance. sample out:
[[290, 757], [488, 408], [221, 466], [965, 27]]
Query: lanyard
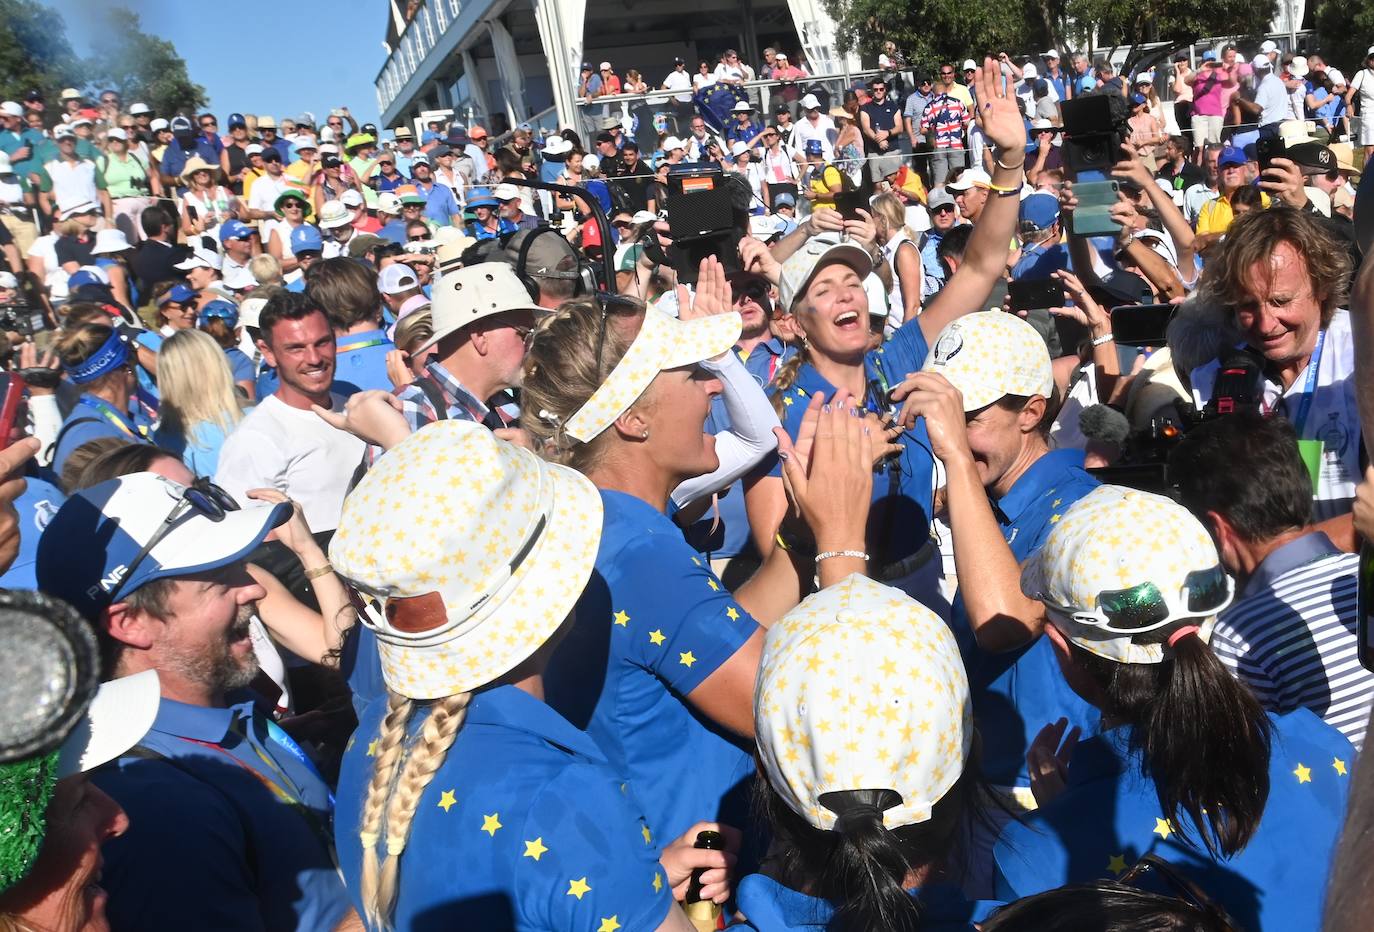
[[1310, 386], [111, 415], [361, 344]]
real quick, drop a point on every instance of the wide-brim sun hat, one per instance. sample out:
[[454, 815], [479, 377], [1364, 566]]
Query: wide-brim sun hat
[[815, 254], [467, 597], [464, 296], [334, 214], [301, 196], [196, 164], [988, 355], [1120, 563], [664, 342], [110, 241], [861, 690]]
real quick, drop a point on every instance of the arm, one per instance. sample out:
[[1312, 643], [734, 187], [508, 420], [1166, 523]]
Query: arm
[[1106, 362], [750, 437], [985, 259]]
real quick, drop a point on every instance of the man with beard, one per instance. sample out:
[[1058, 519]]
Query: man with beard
[[282, 444], [232, 818]]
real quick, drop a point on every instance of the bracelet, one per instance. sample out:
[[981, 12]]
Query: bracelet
[[1010, 168], [1013, 189], [319, 571], [858, 554], [1105, 338]]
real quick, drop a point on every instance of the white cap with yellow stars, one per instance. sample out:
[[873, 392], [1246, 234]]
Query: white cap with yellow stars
[[477, 549], [862, 688], [663, 343], [1115, 539], [988, 355]]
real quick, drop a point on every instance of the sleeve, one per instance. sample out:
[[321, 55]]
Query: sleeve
[[158, 873], [44, 180], [926, 116], [682, 623], [242, 368], [749, 438], [586, 866], [99, 180], [250, 460]]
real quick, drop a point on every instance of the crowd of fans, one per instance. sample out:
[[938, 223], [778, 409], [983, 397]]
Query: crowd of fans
[[472, 543]]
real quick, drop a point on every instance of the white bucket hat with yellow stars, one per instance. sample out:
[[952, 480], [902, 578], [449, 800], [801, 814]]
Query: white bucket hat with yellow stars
[[989, 355], [476, 550], [1121, 563], [663, 343], [862, 688]]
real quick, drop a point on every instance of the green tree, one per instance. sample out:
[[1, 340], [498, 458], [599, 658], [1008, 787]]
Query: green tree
[[141, 67], [1344, 28], [34, 52]]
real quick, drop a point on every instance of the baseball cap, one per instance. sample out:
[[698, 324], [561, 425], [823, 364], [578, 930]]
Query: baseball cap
[[672, 142], [811, 102], [1312, 157], [234, 229], [1039, 211], [738, 147], [86, 555], [63, 131], [1209, 55], [180, 294], [540, 524], [989, 355], [71, 93], [939, 198], [506, 192], [306, 238], [252, 149], [677, 60], [7, 280], [1139, 99], [159, 124], [361, 243], [181, 124], [814, 147], [605, 66], [1230, 155], [1161, 571], [139, 108], [1029, 72], [87, 275], [766, 226], [971, 177], [200, 258], [250, 310], [351, 198], [236, 120], [10, 108], [1269, 45], [469, 294], [815, 254], [1052, 53], [969, 65], [218, 310], [396, 278], [1261, 62], [237, 278], [784, 199], [419, 158], [836, 722], [334, 214]]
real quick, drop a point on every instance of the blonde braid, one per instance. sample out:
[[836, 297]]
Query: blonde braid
[[785, 378], [390, 743], [422, 762]]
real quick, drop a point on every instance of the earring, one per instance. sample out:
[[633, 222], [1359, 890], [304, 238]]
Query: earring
[[644, 435]]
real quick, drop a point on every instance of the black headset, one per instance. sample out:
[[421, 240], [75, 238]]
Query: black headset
[[584, 276]]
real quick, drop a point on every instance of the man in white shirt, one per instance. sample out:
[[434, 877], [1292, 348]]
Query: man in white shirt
[[262, 197], [730, 71], [282, 444], [1270, 106], [814, 125], [679, 80]]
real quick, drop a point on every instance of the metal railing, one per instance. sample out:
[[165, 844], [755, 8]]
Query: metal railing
[[431, 21]]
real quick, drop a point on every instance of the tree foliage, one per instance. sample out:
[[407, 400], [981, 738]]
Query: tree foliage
[[1344, 30], [141, 67], [34, 52], [931, 31]]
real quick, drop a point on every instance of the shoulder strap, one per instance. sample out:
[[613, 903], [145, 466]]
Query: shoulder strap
[[435, 394], [62, 432]]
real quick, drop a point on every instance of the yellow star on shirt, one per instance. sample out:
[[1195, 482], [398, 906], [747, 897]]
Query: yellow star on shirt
[[644, 830], [1116, 864], [372, 747], [622, 618], [787, 400], [491, 823], [1304, 774], [658, 882], [1163, 829], [1054, 519], [446, 800], [715, 587], [534, 849], [608, 925], [686, 659], [656, 637], [1338, 765], [578, 887], [732, 613], [1056, 503]]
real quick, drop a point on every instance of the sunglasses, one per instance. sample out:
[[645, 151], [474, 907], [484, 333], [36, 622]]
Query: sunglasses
[[1143, 607], [622, 224], [1179, 887], [293, 204], [336, 122], [946, 74], [202, 497], [209, 124]]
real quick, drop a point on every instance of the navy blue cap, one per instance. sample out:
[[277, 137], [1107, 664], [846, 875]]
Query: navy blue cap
[[181, 294], [814, 147], [236, 119]]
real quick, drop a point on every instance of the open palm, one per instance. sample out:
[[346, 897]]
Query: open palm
[[999, 112]]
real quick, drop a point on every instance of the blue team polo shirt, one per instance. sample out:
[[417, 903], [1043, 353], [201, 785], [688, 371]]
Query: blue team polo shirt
[[211, 843], [240, 366], [652, 624], [523, 826], [1018, 692], [768, 905], [730, 536], [903, 491], [36, 508], [92, 418], [1039, 262], [1109, 816], [361, 360]]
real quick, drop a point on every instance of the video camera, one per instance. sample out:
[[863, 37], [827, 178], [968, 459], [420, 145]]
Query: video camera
[[23, 319], [1095, 126], [705, 207]]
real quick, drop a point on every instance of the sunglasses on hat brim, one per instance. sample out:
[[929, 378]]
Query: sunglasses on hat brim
[[1143, 607]]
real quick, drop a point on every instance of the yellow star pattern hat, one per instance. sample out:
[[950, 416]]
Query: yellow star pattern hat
[[663, 343], [1113, 542], [988, 355], [862, 688], [476, 549]]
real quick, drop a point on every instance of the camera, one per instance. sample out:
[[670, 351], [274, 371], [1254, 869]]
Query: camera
[[23, 319], [1095, 126]]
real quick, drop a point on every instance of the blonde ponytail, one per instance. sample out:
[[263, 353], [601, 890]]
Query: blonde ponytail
[[417, 768], [785, 378]]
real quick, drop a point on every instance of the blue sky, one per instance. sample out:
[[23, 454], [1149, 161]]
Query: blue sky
[[262, 56]]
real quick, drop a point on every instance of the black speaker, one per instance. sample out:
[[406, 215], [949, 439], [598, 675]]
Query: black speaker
[[699, 203]]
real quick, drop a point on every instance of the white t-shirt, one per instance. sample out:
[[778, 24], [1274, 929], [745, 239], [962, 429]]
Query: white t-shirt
[[72, 182], [293, 451], [679, 81], [725, 72], [1334, 417], [264, 193], [823, 129], [1364, 83]]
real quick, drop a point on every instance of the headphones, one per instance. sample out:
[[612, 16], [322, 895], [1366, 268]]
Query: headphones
[[584, 276]]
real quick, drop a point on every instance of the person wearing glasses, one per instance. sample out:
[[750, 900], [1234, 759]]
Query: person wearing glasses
[[229, 819], [293, 210], [208, 143], [99, 361], [945, 122], [1246, 804]]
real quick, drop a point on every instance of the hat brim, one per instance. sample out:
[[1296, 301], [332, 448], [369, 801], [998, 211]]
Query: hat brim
[[118, 717], [846, 253], [99, 251], [439, 334], [334, 224], [198, 544], [287, 195]]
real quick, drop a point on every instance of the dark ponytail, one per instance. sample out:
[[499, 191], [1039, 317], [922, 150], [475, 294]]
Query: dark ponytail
[[1200, 733], [868, 865]]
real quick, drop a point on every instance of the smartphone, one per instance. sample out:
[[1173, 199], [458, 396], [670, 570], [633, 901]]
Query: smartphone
[[1036, 294], [11, 395], [849, 203], [1141, 324], [1268, 148], [1364, 605], [1095, 198]]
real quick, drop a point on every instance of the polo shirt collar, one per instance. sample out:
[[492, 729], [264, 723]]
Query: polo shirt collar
[[199, 723], [772, 345], [455, 389], [1297, 552], [512, 707], [1038, 480]]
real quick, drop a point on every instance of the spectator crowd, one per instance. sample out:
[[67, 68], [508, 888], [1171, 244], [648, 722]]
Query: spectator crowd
[[513, 529]]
